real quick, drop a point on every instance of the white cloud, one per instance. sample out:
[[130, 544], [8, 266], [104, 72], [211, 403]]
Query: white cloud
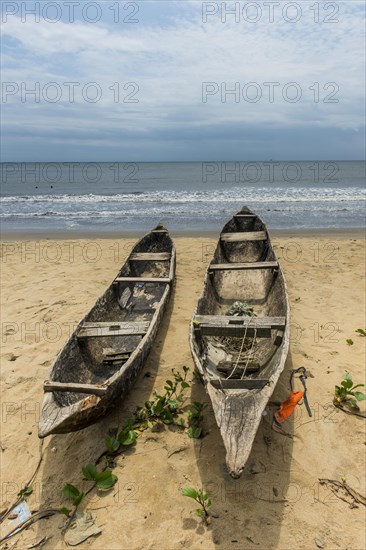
[[169, 62]]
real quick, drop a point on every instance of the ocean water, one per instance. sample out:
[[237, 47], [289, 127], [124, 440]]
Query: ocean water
[[132, 197]]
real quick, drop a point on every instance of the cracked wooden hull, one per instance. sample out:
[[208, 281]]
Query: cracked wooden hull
[[107, 350], [240, 395]]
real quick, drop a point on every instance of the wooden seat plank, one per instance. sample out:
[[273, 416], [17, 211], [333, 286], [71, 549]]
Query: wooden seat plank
[[88, 330], [244, 236], [151, 256], [263, 322], [164, 280], [225, 325], [249, 265], [93, 389], [239, 384]]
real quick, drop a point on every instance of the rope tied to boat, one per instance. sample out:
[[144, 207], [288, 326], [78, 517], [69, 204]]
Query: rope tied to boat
[[250, 351]]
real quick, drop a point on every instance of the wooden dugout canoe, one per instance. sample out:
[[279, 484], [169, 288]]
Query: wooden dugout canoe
[[108, 348], [240, 357]]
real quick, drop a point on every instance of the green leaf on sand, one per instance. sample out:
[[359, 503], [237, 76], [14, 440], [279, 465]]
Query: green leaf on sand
[[112, 444], [359, 396], [106, 480], [194, 433], [90, 472], [189, 492], [70, 491]]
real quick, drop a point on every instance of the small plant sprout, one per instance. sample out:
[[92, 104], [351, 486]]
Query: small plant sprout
[[349, 341], [361, 331], [202, 499], [102, 480], [345, 394], [194, 420]]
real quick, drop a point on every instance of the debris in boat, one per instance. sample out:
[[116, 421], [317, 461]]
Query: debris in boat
[[239, 309], [81, 528], [125, 296], [242, 366]]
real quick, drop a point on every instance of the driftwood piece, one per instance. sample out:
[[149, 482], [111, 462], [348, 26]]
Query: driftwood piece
[[343, 491], [125, 297]]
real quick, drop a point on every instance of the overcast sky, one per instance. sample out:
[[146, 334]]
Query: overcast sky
[[150, 81]]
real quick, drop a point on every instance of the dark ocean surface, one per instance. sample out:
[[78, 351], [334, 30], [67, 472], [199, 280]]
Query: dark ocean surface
[[129, 197]]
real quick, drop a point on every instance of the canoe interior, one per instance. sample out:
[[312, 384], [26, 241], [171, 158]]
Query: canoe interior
[[93, 360], [261, 289]]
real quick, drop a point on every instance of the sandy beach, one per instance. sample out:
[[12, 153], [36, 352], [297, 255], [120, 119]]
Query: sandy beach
[[278, 503]]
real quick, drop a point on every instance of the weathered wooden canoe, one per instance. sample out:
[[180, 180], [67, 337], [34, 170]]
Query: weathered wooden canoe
[[240, 332], [107, 350]]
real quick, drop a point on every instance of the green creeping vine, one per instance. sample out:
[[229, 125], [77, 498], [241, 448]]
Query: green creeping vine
[[202, 499], [166, 408]]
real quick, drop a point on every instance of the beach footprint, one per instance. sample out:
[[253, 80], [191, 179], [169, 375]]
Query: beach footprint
[[11, 356]]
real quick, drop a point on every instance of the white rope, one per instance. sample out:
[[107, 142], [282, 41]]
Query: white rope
[[250, 356], [241, 349]]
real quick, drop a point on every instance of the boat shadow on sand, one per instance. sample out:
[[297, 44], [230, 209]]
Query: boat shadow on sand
[[66, 454], [248, 510]]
